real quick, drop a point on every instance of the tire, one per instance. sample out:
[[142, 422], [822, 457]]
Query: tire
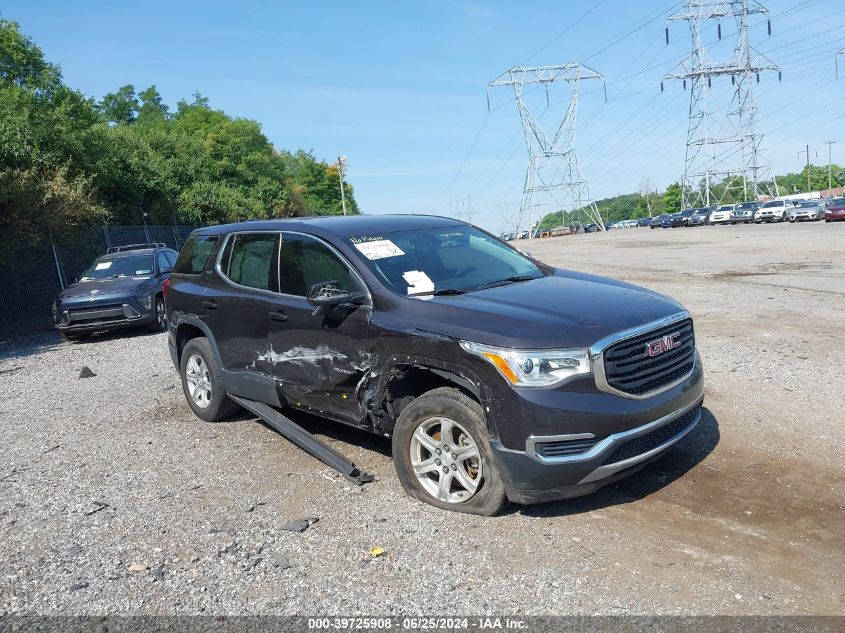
[[212, 405], [160, 312], [425, 416]]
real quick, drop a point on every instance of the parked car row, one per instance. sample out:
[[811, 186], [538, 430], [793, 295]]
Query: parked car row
[[830, 210]]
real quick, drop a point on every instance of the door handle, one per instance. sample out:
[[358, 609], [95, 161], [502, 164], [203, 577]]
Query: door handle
[[278, 315], [209, 305]]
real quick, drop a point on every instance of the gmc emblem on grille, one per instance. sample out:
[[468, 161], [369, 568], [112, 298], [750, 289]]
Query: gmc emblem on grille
[[662, 344]]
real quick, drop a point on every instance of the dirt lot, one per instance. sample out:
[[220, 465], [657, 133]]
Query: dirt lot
[[745, 516]]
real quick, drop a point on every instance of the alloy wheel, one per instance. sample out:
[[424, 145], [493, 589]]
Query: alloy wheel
[[161, 315], [446, 460], [199, 381]]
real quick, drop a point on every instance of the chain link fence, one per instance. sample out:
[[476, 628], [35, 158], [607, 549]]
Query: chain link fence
[[33, 274]]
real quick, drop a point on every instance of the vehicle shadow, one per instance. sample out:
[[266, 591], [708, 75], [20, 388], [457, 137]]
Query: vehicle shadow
[[678, 461], [28, 345]]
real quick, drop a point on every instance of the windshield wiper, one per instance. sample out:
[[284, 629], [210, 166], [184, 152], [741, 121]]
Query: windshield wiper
[[442, 292], [507, 280]]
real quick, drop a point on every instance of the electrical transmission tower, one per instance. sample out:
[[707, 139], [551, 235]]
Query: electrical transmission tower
[[723, 141], [464, 208], [552, 162]]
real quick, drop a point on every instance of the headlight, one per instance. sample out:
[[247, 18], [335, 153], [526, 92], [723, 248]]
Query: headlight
[[55, 311], [534, 368], [146, 301]]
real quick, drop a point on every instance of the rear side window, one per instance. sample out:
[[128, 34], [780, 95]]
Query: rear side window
[[194, 255], [306, 261], [250, 259]]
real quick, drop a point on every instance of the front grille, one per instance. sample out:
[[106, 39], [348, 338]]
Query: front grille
[[651, 440], [564, 448], [96, 314], [630, 369]]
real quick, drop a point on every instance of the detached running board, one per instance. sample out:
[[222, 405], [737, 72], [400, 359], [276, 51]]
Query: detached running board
[[306, 441]]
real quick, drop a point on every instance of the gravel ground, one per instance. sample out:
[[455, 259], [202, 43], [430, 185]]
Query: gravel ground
[[115, 499]]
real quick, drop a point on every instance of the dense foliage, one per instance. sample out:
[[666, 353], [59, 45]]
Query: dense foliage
[[65, 158]]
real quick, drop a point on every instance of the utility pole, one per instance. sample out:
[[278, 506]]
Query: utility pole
[[830, 163], [719, 130], [341, 167], [806, 151], [841, 51], [552, 160]]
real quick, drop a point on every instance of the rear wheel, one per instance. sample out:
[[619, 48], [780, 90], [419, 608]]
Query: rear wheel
[[202, 382], [442, 455]]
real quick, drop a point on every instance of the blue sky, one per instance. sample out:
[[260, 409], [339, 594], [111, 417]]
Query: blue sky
[[399, 87]]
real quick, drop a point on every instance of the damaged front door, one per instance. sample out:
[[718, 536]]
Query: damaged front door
[[322, 362]]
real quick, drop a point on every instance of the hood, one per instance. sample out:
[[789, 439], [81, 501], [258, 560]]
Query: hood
[[568, 309], [104, 290]]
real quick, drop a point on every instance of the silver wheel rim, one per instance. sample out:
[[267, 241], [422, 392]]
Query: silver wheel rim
[[198, 380], [446, 460], [161, 315]]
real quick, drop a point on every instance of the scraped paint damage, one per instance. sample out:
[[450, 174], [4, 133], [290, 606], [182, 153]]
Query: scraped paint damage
[[302, 355]]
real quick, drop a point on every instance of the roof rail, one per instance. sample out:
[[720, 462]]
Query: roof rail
[[135, 247]]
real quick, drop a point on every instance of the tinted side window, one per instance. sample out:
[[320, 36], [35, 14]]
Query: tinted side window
[[306, 261], [250, 260], [161, 261], [171, 258], [194, 255]]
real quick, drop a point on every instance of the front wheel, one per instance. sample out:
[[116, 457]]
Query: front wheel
[[442, 455], [202, 382], [160, 313]]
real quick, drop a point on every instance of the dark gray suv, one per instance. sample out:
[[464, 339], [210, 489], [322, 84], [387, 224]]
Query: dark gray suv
[[497, 377]]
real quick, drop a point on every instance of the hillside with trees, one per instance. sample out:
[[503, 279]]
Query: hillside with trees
[[66, 158]]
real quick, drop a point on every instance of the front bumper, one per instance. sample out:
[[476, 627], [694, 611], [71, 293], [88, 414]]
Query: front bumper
[[627, 434], [529, 478], [79, 319]]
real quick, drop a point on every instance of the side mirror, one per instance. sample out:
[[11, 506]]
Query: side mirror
[[327, 295]]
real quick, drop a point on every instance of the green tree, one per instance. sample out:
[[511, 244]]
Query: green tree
[[152, 108], [672, 198], [120, 106]]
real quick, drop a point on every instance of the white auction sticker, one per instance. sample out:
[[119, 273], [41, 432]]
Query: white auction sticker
[[379, 249], [418, 282], [103, 266]]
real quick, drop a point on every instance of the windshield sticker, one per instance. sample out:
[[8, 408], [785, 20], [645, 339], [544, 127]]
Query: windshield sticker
[[142, 272], [418, 282], [360, 239], [103, 266], [379, 249]]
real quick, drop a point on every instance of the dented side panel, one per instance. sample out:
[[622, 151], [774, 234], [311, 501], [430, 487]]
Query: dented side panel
[[319, 362]]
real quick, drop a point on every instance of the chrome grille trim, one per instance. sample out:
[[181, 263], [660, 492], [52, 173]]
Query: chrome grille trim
[[598, 349]]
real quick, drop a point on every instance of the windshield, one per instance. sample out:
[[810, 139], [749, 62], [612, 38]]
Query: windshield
[[809, 204], [727, 207], [746, 205], [773, 203], [447, 260], [129, 266]]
